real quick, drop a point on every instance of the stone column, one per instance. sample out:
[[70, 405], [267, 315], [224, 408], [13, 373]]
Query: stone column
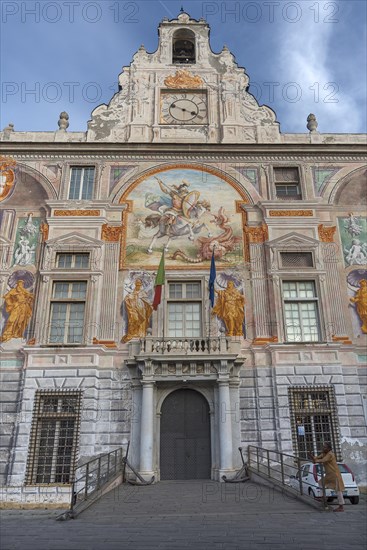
[[225, 428], [147, 430], [260, 292], [338, 331], [234, 389], [109, 291]]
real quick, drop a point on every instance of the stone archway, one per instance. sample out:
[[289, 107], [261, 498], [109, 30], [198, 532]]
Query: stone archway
[[185, 447]]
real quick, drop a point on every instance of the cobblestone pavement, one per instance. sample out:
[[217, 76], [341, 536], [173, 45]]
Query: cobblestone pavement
[[193, 514]]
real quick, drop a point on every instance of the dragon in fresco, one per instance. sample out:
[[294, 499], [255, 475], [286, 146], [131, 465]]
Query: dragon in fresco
[[221, 244]]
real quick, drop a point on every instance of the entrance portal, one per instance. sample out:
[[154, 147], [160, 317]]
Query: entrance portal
[[185, 436]]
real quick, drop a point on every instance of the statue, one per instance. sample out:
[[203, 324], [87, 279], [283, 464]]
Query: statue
[[360, 299], [139, 311], [19, 305], [230, 307]]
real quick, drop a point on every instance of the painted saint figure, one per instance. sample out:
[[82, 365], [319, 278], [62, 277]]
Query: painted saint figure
[[139, 312], [25, 253], [19, 305], [360, 299], [230, 307]]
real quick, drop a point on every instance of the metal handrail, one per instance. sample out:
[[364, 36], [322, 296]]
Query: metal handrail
[[276, 466], [93, 475]]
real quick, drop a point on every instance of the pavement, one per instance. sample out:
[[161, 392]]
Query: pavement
[[200, 515]]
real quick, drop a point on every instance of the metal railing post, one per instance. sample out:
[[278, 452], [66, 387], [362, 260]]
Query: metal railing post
[[267, 458], [257, 459], [299, 476], [324, 503], [86, 481], [108, 465], [99, 472], [282, 467]]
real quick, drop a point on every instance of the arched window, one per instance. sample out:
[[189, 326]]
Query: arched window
[[183, 47]]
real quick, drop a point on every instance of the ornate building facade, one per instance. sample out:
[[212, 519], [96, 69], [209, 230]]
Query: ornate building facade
[[183, 160]]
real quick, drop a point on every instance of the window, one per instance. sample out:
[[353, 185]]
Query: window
[[81, 183], [54, 437], [296, 259], [184, 309], [313, 418], [67, 312], [301, 311], [287, 184], [70, 261]]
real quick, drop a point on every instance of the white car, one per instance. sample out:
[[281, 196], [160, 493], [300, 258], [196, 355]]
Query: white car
[[312, 483]]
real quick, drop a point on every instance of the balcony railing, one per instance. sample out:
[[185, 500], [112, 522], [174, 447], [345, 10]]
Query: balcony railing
[[185, 346]]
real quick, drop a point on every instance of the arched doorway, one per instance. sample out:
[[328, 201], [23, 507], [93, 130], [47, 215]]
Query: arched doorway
[[185, 436]]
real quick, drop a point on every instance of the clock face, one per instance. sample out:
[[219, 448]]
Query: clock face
[[184, 108]]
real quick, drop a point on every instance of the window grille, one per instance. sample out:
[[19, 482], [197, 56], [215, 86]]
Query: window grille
[[81, 182], [287, 183], [54, 437], [301, 314], [314, 419], [296, 259], [72, 261]]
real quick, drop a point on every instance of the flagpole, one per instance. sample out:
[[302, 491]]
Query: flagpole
[[212, 278], [164, 298]]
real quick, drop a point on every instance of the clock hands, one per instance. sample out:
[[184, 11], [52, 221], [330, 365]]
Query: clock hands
[[193, 113]]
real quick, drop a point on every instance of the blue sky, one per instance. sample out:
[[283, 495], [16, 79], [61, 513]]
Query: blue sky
[[302, 57]]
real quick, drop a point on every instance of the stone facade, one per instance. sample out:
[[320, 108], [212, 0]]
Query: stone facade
[[235, 153]]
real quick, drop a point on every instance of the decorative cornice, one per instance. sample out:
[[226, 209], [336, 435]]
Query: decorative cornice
[[44, 229], [105, 343], [342, 339], [326, 234], [77, 212], [257, 234], [229, 156], [294, 213], [262, 341], [111, 233], [183, 79]]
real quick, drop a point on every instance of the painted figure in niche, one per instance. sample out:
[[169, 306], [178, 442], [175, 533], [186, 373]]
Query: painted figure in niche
[[360, 299], [356, 254], [352, 225], [19, 305], [25, 253], [230, 307], [139, 312], [29, 229]]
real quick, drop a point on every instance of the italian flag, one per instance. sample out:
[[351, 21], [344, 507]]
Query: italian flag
[[159, 282]]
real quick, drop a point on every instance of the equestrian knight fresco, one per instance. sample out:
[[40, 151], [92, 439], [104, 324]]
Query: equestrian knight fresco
[[187, 211]]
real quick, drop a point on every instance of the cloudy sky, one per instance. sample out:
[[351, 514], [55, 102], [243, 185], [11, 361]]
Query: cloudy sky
[[302, 56]]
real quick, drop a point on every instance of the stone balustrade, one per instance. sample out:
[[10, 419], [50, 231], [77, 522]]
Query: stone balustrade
[[185, 346]]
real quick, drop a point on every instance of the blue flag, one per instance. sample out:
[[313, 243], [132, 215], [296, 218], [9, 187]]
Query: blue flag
[[213, 274]]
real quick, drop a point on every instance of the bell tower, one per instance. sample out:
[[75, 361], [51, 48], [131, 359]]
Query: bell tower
[[183, 93]]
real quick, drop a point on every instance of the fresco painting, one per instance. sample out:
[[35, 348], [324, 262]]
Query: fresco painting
[[357, 292], [187, 212], [26, 241], [353, 234]]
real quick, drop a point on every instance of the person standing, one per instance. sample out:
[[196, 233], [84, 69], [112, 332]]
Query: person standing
[[333, 478]]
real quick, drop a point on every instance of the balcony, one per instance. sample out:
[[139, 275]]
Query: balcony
[[178, 347]]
